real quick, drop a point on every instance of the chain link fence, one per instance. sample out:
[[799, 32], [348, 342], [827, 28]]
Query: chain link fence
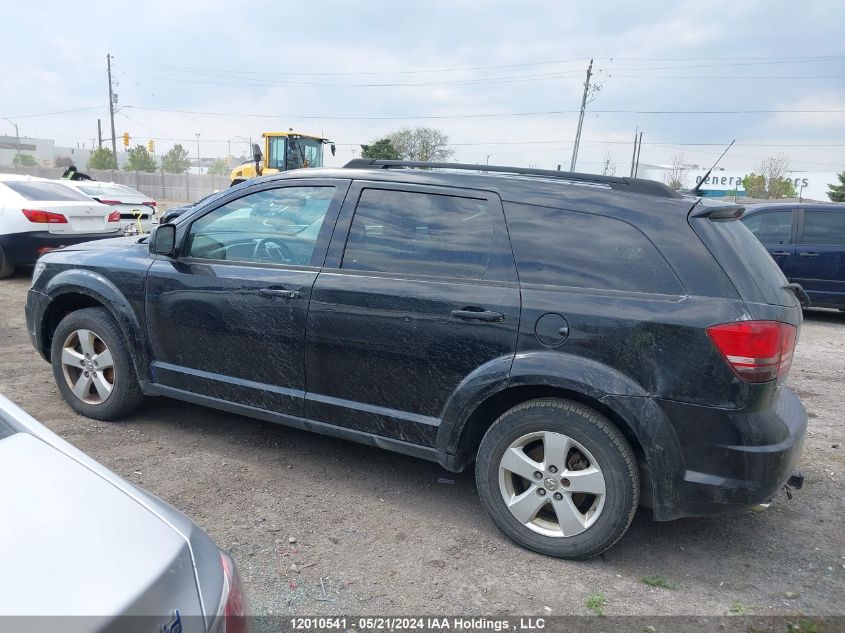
[[161, 186]]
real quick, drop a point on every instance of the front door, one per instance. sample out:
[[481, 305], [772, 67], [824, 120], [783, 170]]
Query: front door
[[419, 291], [226, 318], [820, 256]]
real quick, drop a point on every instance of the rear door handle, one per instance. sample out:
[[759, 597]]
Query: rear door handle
[[776, 253], [280, 292], [478, 314], [809, 254]]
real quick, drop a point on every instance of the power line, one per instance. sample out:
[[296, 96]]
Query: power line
[[30, 116], [714, 62], [488, 115], [249, 82]]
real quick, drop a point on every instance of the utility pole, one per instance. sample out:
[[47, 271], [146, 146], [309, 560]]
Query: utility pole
[[639, 149], [199, 165], [99, 135], [111, 110], [634, 153], [581, 116]]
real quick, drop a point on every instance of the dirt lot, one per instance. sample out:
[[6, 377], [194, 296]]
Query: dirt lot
[[387, 537]]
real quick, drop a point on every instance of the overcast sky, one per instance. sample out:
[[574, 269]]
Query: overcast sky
[[502, 79]]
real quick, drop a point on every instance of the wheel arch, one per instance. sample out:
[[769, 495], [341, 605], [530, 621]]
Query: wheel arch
[[548, 374], [74, 290]]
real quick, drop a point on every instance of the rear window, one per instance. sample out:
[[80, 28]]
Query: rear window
[[5, 430], [44, 191], [104, 190], [746, 261], [584, 250]]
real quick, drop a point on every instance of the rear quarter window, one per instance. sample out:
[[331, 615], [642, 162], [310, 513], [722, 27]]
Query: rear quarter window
[[45, 191], [571, 248]]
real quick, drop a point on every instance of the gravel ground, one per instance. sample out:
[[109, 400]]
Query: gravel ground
[[321, 526]]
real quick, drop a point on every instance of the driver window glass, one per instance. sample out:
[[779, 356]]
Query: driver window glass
[[274, 226]]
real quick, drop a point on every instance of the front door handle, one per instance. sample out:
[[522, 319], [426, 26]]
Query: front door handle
[[280, 292], [809, 254], [783, 253], [478, 314]]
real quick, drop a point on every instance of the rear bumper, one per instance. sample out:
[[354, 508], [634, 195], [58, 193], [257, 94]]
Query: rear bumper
[[21, 249], [733, 460]]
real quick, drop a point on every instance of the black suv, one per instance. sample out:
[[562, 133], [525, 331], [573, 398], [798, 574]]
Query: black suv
[[590, 342]]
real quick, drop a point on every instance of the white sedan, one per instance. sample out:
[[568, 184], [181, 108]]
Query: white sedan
[[137, 211], [38, 215]]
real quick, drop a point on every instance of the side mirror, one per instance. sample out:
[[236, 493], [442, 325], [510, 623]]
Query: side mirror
[[256, 152], [163, 240], [333, 148]]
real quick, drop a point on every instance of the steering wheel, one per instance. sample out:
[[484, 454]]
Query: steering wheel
[[272, 249]]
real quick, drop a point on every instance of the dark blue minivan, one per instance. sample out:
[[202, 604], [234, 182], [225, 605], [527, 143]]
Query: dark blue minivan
[[808, 243]]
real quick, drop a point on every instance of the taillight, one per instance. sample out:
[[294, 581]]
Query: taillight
[[757, 351], [44, 217], [114, 216], [234, 607], [109, 202], [150, 203]]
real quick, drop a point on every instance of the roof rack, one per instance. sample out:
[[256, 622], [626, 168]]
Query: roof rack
[[632, 185]]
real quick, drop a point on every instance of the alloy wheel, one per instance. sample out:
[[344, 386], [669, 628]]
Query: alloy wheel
[[552, 484], [87, 366]]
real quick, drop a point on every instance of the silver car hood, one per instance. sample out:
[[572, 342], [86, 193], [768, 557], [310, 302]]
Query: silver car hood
[[77, 540]]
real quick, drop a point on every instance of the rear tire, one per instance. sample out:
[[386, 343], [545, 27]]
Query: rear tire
[[6, 267], [92, 365], [558, 478]]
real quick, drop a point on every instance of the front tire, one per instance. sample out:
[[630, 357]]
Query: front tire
[[92, 365], [558, 478]]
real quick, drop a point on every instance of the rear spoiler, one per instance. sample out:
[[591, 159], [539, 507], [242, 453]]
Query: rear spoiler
[[717, 211]]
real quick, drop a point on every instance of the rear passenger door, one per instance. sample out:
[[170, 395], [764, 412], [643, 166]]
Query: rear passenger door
[[418, 291], [820, 260], [776, 230]]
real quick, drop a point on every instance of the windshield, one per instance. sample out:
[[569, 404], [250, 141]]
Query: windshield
[[294, 153]]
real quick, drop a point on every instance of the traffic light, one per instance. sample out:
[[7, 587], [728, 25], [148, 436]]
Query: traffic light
[[126, 139], [151, 147]]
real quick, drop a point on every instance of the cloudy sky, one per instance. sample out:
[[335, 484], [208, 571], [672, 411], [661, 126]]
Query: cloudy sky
[[502, 79]]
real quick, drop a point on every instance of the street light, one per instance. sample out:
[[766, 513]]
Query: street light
[[199, 165], [17, 134]]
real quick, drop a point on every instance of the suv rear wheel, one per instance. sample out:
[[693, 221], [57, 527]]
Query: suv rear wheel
[[558, 478], [92, 366]]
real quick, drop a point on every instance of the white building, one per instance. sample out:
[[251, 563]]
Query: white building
[[810, 185], [45, 151]]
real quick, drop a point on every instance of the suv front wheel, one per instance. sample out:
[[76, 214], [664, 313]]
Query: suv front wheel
[[558, 478], [92, 366]]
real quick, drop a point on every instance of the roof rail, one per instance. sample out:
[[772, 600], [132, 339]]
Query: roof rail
[[632, 185]]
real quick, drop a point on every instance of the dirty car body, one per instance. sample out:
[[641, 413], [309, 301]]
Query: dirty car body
[[418, 334]]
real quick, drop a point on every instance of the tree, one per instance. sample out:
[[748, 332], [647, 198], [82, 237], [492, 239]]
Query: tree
[[62, 161], [676, 177], [754, 185], [24, 160], [836, 193], [102, 159], [608, 165], [771, 182], [774, 170], [140, 160], [382, 148], [218, 167], [421, 144], [176, 161]]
